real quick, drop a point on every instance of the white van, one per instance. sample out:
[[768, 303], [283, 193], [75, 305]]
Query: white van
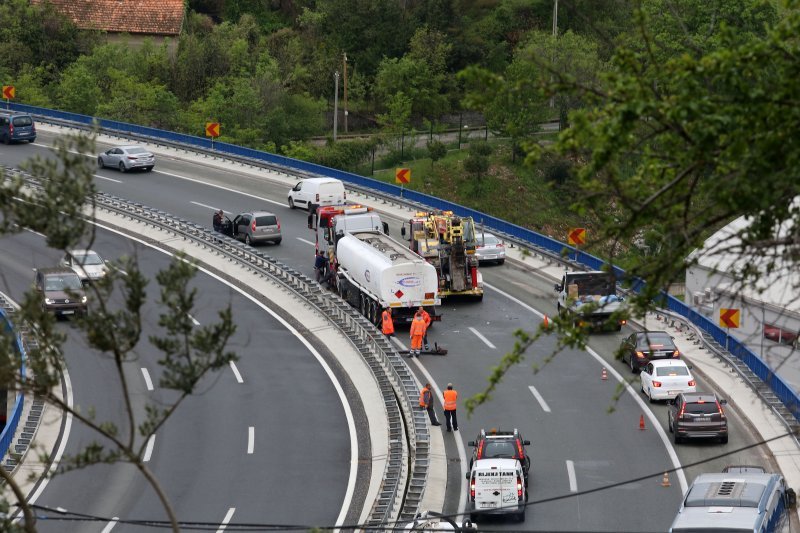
[[497, 486], [314, 192]]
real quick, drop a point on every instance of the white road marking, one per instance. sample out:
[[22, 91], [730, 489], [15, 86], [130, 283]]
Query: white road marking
[[484, 339], [61, 510], [306, 241], [148, 451], [205, 205], [573, 481], [147, 380], [223, 187], [236, 372], [462, 454], [251, 439], [227, 519], [539, 397], [35, 232], [110, 525], [515, 300], [105, 178], [193, 319], [348, 412]]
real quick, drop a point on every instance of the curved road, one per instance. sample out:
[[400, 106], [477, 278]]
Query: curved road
[[577, 443]]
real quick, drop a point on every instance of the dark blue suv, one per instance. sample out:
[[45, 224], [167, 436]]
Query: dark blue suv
[[16, 127]]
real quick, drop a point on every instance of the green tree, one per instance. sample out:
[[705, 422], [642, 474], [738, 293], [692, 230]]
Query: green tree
[[436, 150], [59, 211]]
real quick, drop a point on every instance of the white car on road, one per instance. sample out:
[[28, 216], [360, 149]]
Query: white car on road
[[85, 263], [127, 158], [664, 379]]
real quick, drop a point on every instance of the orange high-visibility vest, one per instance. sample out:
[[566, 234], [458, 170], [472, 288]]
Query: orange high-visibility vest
[[387, 324], [450, 397], [418, 327], [427, 318], [423, 397]]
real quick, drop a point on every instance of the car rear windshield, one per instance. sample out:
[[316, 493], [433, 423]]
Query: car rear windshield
[[23, 121], [702, 408], [487, 239], [656, 340], [499, 450], [136, 150], [267, 220], [672, 371], [88, 259]]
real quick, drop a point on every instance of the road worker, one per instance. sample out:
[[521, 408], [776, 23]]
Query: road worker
[[449, 400], [427, 318], [417, 334], [387, 326], [426, 402]]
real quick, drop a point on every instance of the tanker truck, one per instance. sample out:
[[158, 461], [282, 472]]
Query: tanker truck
[[371, 270]]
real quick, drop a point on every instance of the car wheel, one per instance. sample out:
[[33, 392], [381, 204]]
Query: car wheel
[[473, 517], [723, 440], [633, 368], [149, 169], [247, 240], [521, 516], [650, 396], [277, 241], [291, 203], [100, 163], [669, 424], [121, 166], [676, 438], [6, 140], [501, 261]]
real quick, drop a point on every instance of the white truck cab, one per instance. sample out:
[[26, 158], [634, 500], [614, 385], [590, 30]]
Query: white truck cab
[[590, 296], [497, 486]]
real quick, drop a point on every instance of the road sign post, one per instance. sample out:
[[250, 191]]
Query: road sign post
[[9, 92], [728, 318], [403, 177], [576, 237], [212, 130]]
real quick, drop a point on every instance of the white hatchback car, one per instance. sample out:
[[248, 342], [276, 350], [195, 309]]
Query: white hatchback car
[[665, 379], [85, 263], [489, 249]]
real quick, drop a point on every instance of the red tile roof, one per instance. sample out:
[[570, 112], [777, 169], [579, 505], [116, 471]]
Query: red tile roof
[[154, 17]]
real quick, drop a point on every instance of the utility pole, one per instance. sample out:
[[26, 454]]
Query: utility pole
[[335, 102], [344, 64]]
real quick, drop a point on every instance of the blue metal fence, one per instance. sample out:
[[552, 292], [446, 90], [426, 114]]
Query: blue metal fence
[[759, 367], [7, 435]]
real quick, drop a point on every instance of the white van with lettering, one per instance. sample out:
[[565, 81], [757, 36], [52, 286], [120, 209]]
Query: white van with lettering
[[496, 486], [314, 192]]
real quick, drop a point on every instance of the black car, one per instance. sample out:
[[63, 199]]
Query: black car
[[642, 347], [61, 291], [496, 444], [697, 415]]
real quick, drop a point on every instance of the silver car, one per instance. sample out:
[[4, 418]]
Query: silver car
[[127, 158], [489, 248], [256, 227], [87, 264]]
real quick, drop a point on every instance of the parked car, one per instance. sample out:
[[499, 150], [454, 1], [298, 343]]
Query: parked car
[[61, 290], [17, 127], [87, 264], [489, 249], [127, 158], [642, 347], [255, 227], [494, 444], [664, 379], [314, 192], [697, 415]]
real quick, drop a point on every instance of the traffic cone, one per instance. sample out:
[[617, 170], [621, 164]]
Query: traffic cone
[[665, 481], [641, 422], [546, 322], [604, 375]]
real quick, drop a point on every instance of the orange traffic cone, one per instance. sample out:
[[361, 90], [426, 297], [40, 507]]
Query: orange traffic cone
[[546, 322], [665, 481], [641, 421], [604, 375]]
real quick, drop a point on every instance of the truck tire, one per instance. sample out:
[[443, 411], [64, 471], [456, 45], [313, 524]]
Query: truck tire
[[362, 304]]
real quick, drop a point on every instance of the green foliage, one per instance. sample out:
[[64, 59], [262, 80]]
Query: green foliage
[[346, 155], [436, 150]]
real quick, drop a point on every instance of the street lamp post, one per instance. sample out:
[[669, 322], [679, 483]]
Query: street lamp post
[[555, 34], [335, 102], [344, 64]]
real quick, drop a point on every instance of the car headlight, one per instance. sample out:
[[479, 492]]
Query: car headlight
[[48, 301], [83, 299]]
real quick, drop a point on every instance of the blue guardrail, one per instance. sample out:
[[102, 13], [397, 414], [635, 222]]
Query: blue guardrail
[[787, 395], [8, 432]]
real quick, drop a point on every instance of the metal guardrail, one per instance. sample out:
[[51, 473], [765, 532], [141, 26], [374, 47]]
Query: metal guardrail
[[540, 244], [12, 423], [400, 495]]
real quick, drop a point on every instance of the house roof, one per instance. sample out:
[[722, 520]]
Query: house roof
[[148, 17]]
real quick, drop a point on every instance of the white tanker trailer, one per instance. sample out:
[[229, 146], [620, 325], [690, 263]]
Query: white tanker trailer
[[375, 272]]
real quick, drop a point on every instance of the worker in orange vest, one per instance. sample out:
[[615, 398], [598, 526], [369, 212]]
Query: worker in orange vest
[[417, 334], [387, 326], [450, 396], [427, 318], [426, 401]]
